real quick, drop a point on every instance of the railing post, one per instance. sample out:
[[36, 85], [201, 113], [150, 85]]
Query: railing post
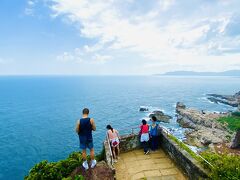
[[110, 149]]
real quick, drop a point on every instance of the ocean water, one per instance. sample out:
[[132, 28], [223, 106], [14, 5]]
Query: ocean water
[[38, 113]]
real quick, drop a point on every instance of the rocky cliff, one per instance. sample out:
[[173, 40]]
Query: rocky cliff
[[203, 130], [231, 100], [161, 117], [101, 171]]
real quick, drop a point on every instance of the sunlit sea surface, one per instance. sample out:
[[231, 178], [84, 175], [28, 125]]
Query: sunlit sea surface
[[38, 113]]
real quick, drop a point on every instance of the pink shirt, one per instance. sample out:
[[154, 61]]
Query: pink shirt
[[112, 135], [144, 128]]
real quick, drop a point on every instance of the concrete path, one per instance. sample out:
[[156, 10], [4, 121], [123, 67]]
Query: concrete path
[[156, 165]]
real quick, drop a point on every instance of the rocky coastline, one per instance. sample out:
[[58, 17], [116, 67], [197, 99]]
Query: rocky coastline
[[203, 128], [161, 117], [231, 100]]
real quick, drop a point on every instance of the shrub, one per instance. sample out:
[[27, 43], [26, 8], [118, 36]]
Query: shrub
[[59, 170], [232, 121], [225, 166], [55, 170], [78, 177], [236, 113]]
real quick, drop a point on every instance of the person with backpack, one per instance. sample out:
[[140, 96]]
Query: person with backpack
[[84, 128], [114, 139], [144, 136], [154, 134]]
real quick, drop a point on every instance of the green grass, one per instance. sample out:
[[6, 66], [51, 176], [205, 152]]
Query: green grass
[[233, 122], [185, 147], [225, 166]]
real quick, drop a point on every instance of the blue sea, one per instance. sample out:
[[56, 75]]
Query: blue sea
[[38, 113]]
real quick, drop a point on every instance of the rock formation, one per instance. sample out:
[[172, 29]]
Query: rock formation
[[203, 127], [231, 100], [236, 140], [161, 117], [101, 171], [143, 109]]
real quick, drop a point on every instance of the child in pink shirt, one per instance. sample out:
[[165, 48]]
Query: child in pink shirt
[[144, 138], [114, 138]]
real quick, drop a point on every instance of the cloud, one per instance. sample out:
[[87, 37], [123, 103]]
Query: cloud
[[65, 57], [160, 31], [83, 55], [101, 59], [29, 10]]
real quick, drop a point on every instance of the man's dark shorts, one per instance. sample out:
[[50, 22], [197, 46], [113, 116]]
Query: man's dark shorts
[[85, 143]]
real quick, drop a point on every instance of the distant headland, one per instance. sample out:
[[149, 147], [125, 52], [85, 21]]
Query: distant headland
[[193, 73]]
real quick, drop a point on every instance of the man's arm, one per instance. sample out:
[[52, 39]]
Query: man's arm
[[77, 126], [93, 124]]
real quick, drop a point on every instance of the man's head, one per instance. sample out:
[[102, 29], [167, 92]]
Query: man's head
[[85, 111], [154, 118]]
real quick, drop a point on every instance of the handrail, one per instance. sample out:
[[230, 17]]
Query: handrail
[[128, 129], [110, 149]]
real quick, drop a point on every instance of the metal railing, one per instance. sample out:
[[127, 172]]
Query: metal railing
[[129, 130], [110, 149]]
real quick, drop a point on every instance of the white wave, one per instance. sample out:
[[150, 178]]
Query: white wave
[[203, 98], [174, 105]]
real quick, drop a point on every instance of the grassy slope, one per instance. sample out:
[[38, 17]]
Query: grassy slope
[[232, 121]]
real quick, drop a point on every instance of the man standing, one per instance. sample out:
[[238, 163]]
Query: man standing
[[84, 128]]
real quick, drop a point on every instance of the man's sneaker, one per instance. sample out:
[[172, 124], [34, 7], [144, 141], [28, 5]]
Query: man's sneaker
[[93, 163], [147, 152], [85, 165], [115, 160]]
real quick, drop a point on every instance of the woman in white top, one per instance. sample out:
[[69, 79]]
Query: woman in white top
[[114, 138]]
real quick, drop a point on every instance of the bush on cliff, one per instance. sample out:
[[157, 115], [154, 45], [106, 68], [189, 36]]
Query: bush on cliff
[[236, 113], [55, 170], [232, 121], [58, 170], [225, 166]]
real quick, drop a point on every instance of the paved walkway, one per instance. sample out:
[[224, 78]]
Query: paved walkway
[[156, 165]]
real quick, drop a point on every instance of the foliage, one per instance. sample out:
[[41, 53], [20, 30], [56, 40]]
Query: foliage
[[236, 113], [78, 177], [55, 170], [101, 156], [184, 146], [59, 170], [232, 121], [225, 166]]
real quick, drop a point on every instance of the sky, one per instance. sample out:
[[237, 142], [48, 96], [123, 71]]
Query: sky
[[118, 37]]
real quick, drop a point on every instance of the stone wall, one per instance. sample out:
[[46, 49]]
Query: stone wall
[[129, 142], [108, 155], [181, 157]]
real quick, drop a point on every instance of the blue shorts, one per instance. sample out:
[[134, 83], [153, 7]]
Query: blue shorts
[[85, 143]]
